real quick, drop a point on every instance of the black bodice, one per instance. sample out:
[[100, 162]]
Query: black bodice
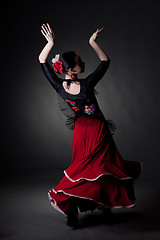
[[76, 105]]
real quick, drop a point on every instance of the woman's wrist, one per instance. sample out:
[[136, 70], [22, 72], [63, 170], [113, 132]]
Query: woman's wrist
[[50, 43], [94, 45], [45, 52], [92, 42]]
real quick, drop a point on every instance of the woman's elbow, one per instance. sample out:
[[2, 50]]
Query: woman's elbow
[[106, 59], [41, 59]]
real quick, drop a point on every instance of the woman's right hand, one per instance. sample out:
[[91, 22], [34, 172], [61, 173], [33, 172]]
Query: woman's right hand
[[95, 35], [48, 33]]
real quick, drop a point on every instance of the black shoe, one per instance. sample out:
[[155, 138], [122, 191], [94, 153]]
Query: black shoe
[[107, 215], [72, 221], [107, 212]]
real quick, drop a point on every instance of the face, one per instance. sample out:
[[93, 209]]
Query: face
[[80, 66]]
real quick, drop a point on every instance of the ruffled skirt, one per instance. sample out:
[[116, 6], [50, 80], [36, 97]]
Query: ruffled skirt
[[98, 177]]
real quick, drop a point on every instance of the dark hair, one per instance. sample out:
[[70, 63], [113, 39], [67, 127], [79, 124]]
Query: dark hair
[[68, 61]]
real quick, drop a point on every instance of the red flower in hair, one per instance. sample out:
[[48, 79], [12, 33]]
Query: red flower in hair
[[58, 66]]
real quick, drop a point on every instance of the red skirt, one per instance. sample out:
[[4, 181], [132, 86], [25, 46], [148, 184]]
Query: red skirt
[[98, 177]]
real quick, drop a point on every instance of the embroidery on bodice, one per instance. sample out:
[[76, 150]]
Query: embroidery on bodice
[[81, 106], [72, 109], [89, 109]]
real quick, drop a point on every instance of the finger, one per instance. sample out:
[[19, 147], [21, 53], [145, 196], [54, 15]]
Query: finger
[[46, 32], [49, 27], [46, 28], [43, 33], [101, 29]]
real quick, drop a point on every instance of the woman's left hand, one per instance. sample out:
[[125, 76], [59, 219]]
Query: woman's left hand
[[95, 35], [48, 33]]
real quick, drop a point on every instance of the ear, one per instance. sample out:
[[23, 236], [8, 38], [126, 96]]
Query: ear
[[70, 70]]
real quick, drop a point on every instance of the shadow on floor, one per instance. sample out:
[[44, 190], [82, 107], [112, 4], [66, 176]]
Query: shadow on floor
[[135, 221]]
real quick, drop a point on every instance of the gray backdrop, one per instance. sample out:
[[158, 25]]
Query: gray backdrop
[[34, 134]]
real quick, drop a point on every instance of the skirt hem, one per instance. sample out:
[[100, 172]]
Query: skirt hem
[[55, 205], [93, 179], [102, 204]]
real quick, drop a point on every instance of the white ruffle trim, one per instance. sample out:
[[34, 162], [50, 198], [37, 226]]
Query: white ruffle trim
[[54, 204], [58, 209], [93, 179]]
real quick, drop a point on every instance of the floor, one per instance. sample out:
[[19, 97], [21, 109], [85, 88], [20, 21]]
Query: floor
[[26, 213]]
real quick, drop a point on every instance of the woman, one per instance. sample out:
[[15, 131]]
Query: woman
[[98, 177]]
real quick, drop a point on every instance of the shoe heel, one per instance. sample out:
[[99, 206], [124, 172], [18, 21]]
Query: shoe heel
[[72, 221]]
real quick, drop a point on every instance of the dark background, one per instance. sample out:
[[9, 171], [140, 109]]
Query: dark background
[[36, 145], [34, 134]]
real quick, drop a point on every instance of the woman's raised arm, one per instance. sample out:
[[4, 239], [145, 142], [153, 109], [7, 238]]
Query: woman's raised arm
[[92, 41], [100, 71], [54, 80], [50, 37]]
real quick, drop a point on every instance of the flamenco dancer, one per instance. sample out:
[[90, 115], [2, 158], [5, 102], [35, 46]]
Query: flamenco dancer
[[98, 177]]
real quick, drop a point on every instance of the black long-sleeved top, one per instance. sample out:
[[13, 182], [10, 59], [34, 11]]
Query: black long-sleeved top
[[82, 104]]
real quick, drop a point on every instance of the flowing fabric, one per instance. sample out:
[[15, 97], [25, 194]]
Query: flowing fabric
[[98, 176]]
